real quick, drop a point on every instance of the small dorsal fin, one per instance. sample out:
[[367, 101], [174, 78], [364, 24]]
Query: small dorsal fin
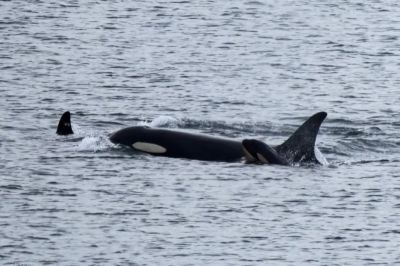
[[64, 126], [300, 145]]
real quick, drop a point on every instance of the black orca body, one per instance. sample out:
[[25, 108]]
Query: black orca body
[[298, 148], [178, 144], [256, 151]]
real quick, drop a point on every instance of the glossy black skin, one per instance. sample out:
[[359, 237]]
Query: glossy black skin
[[182, 144], [255, 148], [298, 148], [64, 125]]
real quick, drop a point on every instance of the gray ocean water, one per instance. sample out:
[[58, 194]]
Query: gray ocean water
[[227, 68]]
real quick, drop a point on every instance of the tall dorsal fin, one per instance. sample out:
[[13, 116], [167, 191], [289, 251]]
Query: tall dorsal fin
[[64, 126], [300, 146]]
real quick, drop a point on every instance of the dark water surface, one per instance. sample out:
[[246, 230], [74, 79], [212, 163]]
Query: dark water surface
[[250, 69]]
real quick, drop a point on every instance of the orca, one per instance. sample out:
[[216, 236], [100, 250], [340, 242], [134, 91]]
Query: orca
[[64, 125], [298, 148], [256, 151]]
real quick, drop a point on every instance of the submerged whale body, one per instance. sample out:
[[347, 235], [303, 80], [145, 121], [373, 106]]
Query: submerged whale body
[[299, 148]]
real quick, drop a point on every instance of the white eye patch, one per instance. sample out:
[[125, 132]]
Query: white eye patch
[[149, 147]]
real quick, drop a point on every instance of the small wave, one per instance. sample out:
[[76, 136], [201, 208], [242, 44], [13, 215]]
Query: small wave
[[364, 145], [234, 130], [162, 121]]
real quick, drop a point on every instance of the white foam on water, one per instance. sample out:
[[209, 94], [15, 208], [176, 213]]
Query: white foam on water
[[161, 121], [94, 143]]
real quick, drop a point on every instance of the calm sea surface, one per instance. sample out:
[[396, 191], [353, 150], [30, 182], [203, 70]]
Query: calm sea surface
[[228, 68]]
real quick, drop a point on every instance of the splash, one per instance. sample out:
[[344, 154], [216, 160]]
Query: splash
[[94, 143]]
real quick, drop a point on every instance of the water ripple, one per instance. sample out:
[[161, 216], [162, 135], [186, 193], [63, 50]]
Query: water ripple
[[252, 69]]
